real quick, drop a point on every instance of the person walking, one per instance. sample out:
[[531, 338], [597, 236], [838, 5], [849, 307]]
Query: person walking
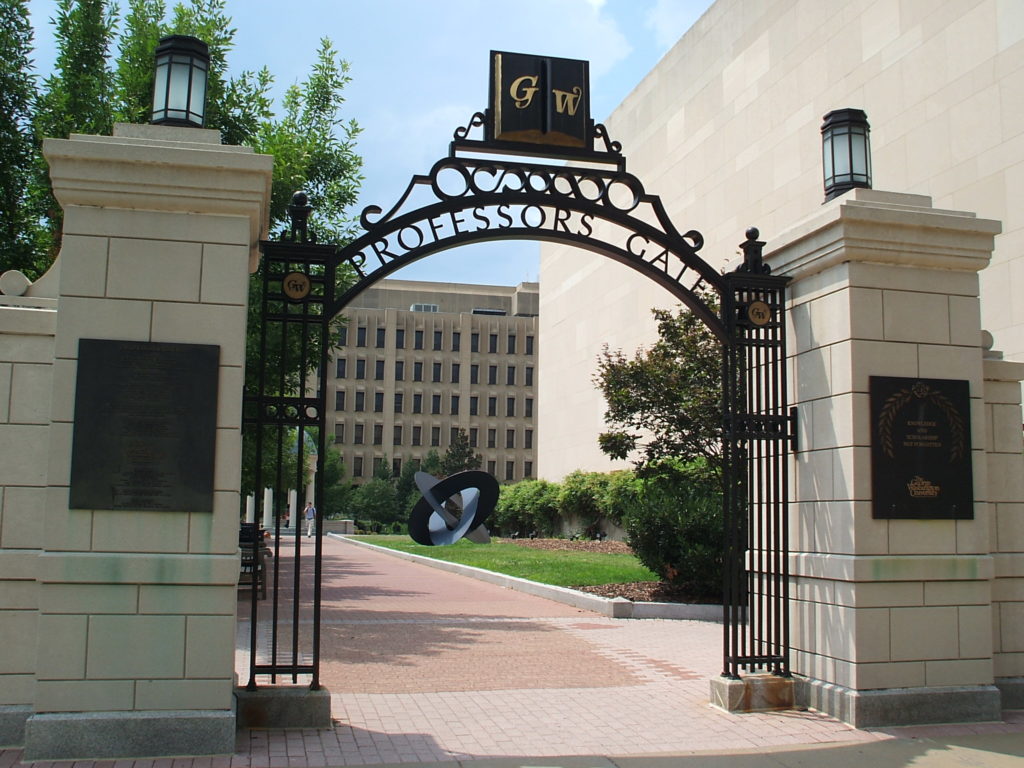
[[310, 518]]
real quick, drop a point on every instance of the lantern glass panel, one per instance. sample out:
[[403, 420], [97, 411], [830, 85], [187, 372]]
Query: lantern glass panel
[[841, 149]]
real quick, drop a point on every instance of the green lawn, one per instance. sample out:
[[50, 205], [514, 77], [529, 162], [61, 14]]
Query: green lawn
[[563, 569]]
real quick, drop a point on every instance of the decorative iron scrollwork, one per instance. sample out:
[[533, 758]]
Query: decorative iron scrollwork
[[476, 121]]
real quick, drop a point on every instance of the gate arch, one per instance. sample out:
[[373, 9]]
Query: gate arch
[[599, 207]]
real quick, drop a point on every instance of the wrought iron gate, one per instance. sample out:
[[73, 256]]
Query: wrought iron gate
[[596, 205]]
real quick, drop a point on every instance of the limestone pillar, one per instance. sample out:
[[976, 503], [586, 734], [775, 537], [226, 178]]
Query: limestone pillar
[[892, 620], [136, 618]]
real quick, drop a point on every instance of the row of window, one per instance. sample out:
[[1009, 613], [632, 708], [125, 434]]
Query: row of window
[[358, 467], [416, 435], [419, 339], [437, 371], [436, 401]]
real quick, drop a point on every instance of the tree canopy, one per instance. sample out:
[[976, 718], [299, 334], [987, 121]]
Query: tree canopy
[[665, 401]]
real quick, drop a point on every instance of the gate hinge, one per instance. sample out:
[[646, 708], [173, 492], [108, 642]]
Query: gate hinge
[[794, 445]]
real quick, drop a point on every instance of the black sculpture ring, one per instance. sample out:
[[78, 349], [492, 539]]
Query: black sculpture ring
[[433, 524]]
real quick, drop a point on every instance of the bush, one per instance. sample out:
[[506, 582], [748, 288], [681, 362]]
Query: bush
[[582, 499], [675, 528], [529, 506]]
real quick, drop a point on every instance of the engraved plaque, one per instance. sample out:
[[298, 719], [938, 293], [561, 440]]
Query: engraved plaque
[[921, 449], [145, 426], [540, 99]]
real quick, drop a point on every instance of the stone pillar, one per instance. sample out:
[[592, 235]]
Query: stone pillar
[[891, 619], [1006, 501], [136, 618], [293, 502], [268, 509], [250, 508]]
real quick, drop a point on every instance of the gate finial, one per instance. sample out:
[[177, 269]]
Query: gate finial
[[299, 210], [752, 260]]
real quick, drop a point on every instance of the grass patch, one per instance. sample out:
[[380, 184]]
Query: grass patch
[[560, 569]]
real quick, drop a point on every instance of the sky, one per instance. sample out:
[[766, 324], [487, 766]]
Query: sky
[[419, 70]]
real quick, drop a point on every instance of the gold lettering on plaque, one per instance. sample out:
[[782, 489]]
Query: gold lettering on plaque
[[759, 313], [523, 94], [296, 285], [567, 101], [920, 488]]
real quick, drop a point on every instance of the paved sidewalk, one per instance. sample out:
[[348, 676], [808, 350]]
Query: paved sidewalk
[[426, 666]]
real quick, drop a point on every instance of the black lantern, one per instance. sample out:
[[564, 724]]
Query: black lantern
[[846, 151], [179, 92]]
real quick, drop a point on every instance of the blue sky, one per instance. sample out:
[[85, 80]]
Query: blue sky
[[419, 70]]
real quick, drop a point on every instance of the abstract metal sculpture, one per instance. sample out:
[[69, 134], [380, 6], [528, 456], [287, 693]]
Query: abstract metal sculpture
[[434, 522]]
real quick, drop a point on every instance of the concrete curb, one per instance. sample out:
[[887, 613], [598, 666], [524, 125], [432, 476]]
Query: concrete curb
[[615, 607]]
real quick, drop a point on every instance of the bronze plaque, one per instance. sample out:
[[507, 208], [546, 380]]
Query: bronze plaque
[[921, 449], [540, 100], [145, 426]]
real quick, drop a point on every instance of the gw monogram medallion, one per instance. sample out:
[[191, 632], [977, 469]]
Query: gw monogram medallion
[[921, 449], [540, 100]]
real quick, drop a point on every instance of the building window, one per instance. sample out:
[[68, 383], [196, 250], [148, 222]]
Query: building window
[[456, 370], [528, 439], [417, 371], [455, 405], [510, 468], [511, 349], [527, 469], [474, 342], [360, 368], [380, 338], [474, 406], [491, 465], [378, 465], [474, 374], [492, 344], [396, 467], [378, 370], [529, 375], [435, 436], [417, 403], [399, 370], [399, 398], [357, 466], [492, 374], [360, 401], [418, 340], [378, 402], [528, 410], [510, 406], [456, 341], [361, 336], [342, 368], [510, 438], [529, 345], [343, 336], [358, 437], [378, 434], [339, 400], [397, 438], [435, 404], [492, 438], [339, 432], [417, 435], [423, 308], [438, 338], [492, 406], [437, 372], [474, 435], [400, 338], [510, 375], [453, 435]]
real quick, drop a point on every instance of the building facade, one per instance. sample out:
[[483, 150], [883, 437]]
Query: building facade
[[420, 360], [726, 130]]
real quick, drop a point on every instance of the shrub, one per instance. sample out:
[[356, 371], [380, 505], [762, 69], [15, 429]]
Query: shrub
[[526, 507], [675, 528], [581, 499]]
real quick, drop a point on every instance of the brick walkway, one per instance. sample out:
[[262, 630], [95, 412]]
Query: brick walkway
[[426, 666]]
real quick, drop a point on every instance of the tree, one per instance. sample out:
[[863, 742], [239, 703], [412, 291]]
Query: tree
[[431, 463], [666, 400], [460, 455], [17, 89]]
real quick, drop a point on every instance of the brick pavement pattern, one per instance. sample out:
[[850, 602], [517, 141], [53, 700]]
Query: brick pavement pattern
[[427, 666]]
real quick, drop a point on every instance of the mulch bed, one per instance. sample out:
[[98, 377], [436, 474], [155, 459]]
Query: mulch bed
[[637, 591]]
